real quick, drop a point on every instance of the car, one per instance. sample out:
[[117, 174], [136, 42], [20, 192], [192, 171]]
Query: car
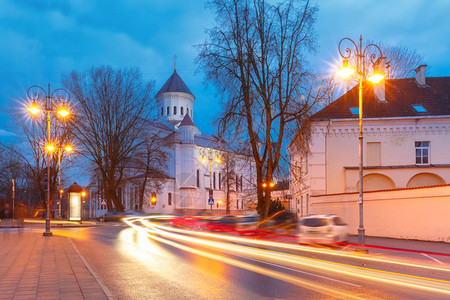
[[322, 229], [247, 222], [220, 223]]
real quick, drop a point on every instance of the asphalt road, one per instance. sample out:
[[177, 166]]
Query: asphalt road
[[157, 263]]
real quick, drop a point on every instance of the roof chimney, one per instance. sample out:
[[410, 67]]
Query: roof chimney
[[379, 89], [420, 75]]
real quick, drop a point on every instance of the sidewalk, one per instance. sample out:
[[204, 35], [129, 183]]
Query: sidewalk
[[7, 223], [414, 245], [38, 267]]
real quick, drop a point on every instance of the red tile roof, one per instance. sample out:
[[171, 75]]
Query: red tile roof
[[401, 94]]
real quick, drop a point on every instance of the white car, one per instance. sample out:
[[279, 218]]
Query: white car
[[322, 229]]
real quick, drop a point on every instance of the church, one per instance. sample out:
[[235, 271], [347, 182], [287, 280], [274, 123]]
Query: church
[[202, 173]]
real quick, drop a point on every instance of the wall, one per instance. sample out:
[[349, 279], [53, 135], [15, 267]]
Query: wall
[[417, 213], [334, 151]]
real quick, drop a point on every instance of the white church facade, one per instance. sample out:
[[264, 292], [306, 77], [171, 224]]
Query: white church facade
[[193, 175]]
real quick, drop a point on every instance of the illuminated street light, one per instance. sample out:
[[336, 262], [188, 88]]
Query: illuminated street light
[[63, 112], [61, 97], [360, 69], [50, 148], [33, 108], [211, 156]]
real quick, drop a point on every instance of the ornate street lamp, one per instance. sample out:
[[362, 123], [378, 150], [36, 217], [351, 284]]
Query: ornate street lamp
[[374, 53], [210, 155], [53, 102]]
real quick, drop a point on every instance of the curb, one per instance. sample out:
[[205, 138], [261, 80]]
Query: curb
[[100, 283]]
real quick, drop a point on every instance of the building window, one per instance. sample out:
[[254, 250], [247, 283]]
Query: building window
[[240, 183], [220, 181], [182, 110], [169, 198], [174, 110], [167, 110], [162, 111], [187, 110], [237, 204], [307, 203], [422, 153], [198, 178], [354, 110], [373, 154], [214, 180], [419, 108], [237, 183]]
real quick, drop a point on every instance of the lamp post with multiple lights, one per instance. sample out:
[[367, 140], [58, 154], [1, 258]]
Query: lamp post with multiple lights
[[53, 102], [374, 53], [210, 155]]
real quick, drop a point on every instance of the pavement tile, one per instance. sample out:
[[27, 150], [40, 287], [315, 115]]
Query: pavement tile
[[70, 296], [34, 267], [94, 296]]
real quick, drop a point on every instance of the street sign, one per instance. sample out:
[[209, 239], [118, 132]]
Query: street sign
[[103, 202], [210, 201]]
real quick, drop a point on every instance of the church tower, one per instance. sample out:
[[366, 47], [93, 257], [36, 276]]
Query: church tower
[[174, 100]]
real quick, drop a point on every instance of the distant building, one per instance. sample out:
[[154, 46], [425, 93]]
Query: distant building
[[186, 182], [406, 159]]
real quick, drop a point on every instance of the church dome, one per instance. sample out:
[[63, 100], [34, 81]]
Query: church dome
[[174, 101], [175, 85]]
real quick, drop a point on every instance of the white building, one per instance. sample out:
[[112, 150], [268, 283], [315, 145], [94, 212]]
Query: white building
[[187, 180], [406, 159]]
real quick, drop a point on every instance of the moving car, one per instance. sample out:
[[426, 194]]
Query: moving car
[[322, 229]]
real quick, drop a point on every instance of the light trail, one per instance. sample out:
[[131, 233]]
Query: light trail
[[260, 270], [285, 246], [290, 260]]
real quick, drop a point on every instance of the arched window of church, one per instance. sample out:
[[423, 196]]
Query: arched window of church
[[187, 110], [174, 110], [162, 111], [198, 178], [181, 110], [214, 180], [169, 198], [167, 110]]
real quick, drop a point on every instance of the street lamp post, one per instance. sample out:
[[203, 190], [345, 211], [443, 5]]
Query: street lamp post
[[373, 52], [211, 156], [53, 102]]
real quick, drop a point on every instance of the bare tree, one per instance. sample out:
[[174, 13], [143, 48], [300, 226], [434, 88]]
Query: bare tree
[[31, 155], [151, 160], [256, 56], [227, 177], [401, 61], [113, 105]]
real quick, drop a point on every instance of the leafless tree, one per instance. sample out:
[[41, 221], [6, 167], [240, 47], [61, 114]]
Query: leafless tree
[[256, 56], [152, 159], [228, 177], [401, 61], [113, 105], [31, 155]]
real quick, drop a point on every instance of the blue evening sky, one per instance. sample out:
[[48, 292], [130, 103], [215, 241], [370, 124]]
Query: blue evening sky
[[43, 39]]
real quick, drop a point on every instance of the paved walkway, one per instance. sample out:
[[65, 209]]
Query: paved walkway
[[37, 267]]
